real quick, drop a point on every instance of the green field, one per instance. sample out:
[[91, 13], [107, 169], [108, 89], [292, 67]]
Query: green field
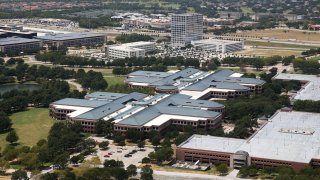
[[113, 80], [31, 126], [247, 10]]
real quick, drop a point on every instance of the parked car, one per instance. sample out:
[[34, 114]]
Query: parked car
[[106, 155], [128, 155]]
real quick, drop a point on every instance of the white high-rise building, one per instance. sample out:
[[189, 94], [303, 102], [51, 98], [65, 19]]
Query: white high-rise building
[[186, 28]]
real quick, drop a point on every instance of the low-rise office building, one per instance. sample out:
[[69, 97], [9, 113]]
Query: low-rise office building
[[135, 49], [17, 45], [223, 84], [218, 45], [287, 139], [164, 82], [73, 39], [138, 111]]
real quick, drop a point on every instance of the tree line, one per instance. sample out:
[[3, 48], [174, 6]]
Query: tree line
[[282, 173], [24, 72], [311, 52], [258, 63], [55, 57], [306, 66], [134, 37]]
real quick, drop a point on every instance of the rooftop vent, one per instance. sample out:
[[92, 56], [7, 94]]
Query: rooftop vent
[[297, 131]]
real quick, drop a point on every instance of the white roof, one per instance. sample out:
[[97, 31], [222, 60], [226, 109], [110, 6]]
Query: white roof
[[288, 136], [77, 110], [166, 117], [310, 91], [212, 143], [283, 139]]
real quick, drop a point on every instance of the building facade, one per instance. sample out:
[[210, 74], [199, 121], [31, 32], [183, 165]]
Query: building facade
[[135, 49], [138, 111], [222, 46], [17, 45], [186, 28], [73, 39], [285, 140]]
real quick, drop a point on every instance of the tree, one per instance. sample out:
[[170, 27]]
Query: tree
[[146, 173], [113, 163], [19, 175], [104, 145], [155, 140], [133, 134], [104, 128], [222, 168], [86, 146], [12, 137], [140, 144], [49, 176], [132, 170], [146, 160], [5, 122], [161, 154], [61, 161], [258, 64], [74, 159]]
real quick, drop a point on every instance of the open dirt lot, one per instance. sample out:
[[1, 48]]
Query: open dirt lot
[[299, 35]]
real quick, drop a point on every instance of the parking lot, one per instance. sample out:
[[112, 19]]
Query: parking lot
[[118, 153]]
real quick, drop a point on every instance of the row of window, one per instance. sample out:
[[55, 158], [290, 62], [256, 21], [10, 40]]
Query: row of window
[[259, 162], [207, 155]]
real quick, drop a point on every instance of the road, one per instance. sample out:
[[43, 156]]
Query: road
[[78, 86]]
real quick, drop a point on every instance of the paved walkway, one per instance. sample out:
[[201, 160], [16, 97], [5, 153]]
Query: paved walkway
[[77, 85]]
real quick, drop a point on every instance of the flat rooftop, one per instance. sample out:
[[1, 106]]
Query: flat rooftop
[[69, 36], [16, 40], [156, 79], [309, 91], [134, 46], [212, 143], [287, 136], [224, 79]]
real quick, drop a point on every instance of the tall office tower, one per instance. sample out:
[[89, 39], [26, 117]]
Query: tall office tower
[[185, 28]]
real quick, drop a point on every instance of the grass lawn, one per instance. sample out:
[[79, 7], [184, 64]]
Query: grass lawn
[[113, 80], [247, 10], [31, 126]]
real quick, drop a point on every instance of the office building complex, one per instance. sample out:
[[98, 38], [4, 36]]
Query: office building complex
[[73, 39], [164, 82], [135, 49], [186, 28], [17, 45], [138, 111], [217, 45], [287, 139], [223, 84]]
